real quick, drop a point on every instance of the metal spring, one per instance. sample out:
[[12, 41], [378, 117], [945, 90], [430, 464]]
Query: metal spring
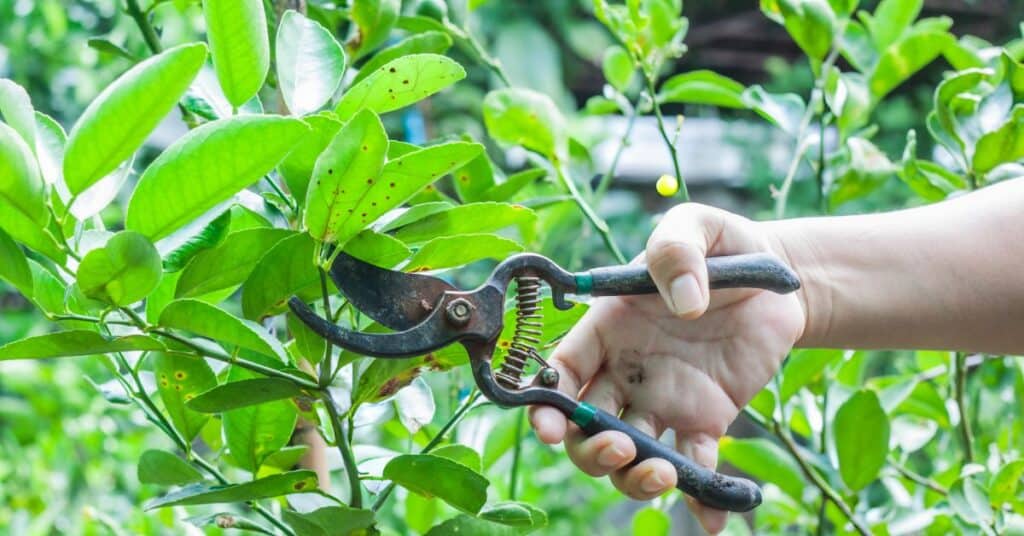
[[527, 334]]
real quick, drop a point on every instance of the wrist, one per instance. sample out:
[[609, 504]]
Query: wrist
[[791, 242]]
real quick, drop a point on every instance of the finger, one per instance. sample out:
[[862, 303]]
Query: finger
[[649, 478], [607, 451], [703, 449], [675, 257]]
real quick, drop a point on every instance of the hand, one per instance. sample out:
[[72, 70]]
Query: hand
[[688, 359]]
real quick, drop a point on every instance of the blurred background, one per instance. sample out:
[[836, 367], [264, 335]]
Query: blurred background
[[68, 452]]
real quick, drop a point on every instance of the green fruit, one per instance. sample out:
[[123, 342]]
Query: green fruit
[[435, 9]]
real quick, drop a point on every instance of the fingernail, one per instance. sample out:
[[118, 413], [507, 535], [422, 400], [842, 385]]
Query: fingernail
[[685, 294], [652, 483], [610, 456]]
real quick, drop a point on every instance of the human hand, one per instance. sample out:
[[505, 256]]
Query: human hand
[[688, 359]]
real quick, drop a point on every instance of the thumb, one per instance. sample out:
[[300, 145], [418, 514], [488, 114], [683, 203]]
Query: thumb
[[675, 257]]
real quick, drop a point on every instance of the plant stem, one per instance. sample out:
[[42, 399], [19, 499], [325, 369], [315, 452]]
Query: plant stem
[[683, 192], [823, 438], [476, 49], [148, 33], [460, 412], [513, 478], [340, 437], [280, 193], [606, 179], [325, 362], [966, 434], [918, 479], [599, 224]]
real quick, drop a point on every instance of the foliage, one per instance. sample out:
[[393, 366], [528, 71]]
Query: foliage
[[301, 142]]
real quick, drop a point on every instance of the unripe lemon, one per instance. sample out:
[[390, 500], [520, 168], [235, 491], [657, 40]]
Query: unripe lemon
[[667, 185]]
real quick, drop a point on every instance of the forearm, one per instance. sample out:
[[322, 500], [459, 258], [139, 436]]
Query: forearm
[[945, 276]]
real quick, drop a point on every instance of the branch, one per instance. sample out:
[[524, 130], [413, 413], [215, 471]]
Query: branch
[[599, 224], [664, 135], [142, 21], [917, 479], [355, 488], [606, 179], [966, 434]]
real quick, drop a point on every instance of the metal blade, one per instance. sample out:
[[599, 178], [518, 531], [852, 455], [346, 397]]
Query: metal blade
[[395, 299]]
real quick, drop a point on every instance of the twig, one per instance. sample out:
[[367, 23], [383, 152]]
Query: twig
[[288, 200], [513, 478], [142, 21], [476, 49], [599, 224], [349, 459], [966, 434], [917, 479], [685, 194], [606, 179], [325, 362], [823, 440]]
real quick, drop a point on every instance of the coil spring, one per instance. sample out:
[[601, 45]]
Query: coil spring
[[527, 334]]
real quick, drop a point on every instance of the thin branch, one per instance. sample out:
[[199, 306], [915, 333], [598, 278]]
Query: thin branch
[[513, 479], [960, 381], [345, 448], [599, 224], [325, 362], [606, 179], [142, 21], [917, 479], [664, 135]]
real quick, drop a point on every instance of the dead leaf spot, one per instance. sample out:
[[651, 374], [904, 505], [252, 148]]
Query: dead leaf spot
[[330, 171], [300, 485], [392, 69], [180, 375]]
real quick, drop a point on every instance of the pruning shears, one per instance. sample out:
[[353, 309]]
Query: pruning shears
[[428, 313]]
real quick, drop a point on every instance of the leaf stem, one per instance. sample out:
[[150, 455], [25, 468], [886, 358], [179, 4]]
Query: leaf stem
[[349, 459], [960, 381], [288, 200], [513, 478], [917, 479], [599, 224], [325, 363], [476, 49], [606, 179], [684, 193], [460, 412], [148, 33]]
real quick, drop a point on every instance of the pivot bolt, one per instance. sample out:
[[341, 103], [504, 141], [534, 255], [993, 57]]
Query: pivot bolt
[[459, 312], [548, 377]]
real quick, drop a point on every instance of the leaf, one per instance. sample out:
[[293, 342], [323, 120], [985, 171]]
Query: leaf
[[430, 42], [73, 343], [21, 190], [209, 321], [363, 203], [374, 19], [474, 178], [703, 87], [310, 345], [377, 248], [904, 58], [353, 158], [399, 83], [243, 393], [967, 499], [861, 433], [1004, 484], [122, 272], [109, 47], [415, 213], [297, 167], [237, 32], [49, 144], [764, 460], [521, 515], [262, 488], [120, 119], [803, 367], [527, 118], [461, 487], [617, 67], [928, 180], [328, 521], [420, 512], [415, 406], [207, 166], [458, 453], [283, 271], [451, 251], [181, 378], [228, 264], [16, 109], [512, 185], [463, 524], [165, 469], [465, 219], [227, 520], [857, 47], [385, 377], [891, 19], [782, 110], [809, 23], [286, 458], [211, 236], [309, 61], [14, 266], [254, 432], [100, 194], [1005, 144], [651, 521], [47, 291]]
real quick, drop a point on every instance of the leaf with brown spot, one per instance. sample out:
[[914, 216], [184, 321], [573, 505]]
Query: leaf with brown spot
[[179, 378]]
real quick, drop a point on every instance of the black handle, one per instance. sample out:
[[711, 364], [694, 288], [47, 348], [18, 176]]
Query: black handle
[[753, 270], [713, 489]]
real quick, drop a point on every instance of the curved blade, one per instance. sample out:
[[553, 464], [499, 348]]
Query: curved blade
[[395, 299]]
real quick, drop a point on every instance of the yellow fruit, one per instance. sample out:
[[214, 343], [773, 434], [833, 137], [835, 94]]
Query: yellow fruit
[[667, 185]]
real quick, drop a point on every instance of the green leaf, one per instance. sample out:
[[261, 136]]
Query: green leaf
[[353, 160], [165, 469], [14, 266], [928, 180], [283, 271], [848, 98], [399, 83], [377, 249], [328, 521], [228, 264], [254, 432], [374, 19], [524, 516], [430, 42], [181, 378], [368, 199], [1004, 484], [297, 167], [109, 47], [651, 521], [968, 500], [207, 166], [47, 291], [310, 63], [803, 367], [464, 219], [237, 31], [766, 461], [120, 119], [420, 512], [286, 458], [122, 272], [384, 377], [75, 343], [211, 236], [867, 169], [226, 520], [861, 433], [460, 453], [857, 47], [21, 192], [309, 345], [217, 324], [474, 178], [703, 87], [904, 58], [451, 251], [16, 109], [414, 214], [243, 393], [262, 488], [809, 23], [512, 185], [461, 487], [527, 118], [49, 144], [463, 524], [1005, 144], [617, 66], [891, 19], [782, 110]]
